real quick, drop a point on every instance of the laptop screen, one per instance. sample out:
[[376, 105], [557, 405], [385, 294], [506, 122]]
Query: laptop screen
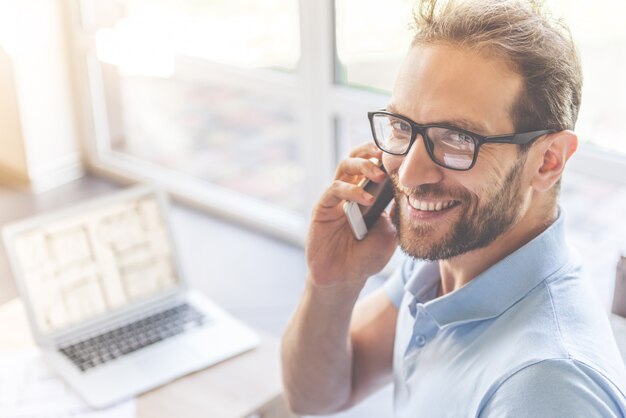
[[87, 264]]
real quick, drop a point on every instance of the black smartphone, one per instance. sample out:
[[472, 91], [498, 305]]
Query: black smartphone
[[362, 218]]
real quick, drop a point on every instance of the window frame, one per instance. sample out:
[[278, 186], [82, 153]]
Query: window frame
[[312, 86]]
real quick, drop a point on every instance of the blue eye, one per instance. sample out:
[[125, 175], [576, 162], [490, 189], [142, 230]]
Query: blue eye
[[460, 137], [452, 138], [400, 126]]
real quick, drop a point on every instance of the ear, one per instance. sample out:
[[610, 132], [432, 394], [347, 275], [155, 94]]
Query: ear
[[554, 152]]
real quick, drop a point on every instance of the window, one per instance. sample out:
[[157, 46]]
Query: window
[[371, 42], [601, 39], [244, 107], [202, 94]]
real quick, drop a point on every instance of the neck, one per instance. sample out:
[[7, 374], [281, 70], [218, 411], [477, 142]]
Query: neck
[[460, 270]]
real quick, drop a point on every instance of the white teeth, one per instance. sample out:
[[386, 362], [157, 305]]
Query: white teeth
[[429, 206]]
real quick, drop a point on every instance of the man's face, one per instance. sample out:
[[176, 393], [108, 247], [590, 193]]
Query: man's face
[[443, 84]]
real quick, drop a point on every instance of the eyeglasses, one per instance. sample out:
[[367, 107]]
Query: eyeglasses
[[448, 146]]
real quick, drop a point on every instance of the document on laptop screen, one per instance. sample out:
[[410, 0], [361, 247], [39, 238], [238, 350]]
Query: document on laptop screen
[[91, 263]]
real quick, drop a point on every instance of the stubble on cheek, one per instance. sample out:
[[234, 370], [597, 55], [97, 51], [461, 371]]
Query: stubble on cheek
[[430, 242], [478, 222]]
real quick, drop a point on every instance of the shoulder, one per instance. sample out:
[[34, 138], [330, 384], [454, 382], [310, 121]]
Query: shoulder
[[555, 388], [394, 286]]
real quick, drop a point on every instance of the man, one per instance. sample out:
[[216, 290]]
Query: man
[[497, 322]]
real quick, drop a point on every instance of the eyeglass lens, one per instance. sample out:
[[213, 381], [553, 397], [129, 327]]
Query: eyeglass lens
[[449, 147]]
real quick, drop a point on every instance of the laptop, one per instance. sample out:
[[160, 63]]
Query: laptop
[[106, 300]]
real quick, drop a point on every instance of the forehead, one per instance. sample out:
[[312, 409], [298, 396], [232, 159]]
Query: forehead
[[443, 83]]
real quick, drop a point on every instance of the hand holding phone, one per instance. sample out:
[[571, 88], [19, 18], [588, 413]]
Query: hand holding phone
[[333, 255], [361, 218]]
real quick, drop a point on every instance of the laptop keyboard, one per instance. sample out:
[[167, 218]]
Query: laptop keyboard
[[131, 337]]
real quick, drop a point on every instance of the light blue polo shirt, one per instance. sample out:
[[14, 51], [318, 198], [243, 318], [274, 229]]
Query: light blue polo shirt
[[526, 338]]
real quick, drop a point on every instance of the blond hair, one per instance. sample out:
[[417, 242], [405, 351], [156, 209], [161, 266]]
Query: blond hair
[[521, 33]]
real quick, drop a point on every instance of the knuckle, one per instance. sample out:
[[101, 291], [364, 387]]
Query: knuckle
[[364, 149], [341, 167], [336, 185]]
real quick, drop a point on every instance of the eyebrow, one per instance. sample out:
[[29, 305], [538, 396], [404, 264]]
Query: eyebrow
[[466, 124], [462, 123]]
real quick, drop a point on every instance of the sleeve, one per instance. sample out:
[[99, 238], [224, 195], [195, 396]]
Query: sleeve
[[394, 286], [556, 388]]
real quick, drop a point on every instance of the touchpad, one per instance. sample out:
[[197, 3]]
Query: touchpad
[[167, 360]]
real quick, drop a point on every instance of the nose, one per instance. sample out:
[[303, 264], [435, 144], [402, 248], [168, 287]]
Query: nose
[[416, 168]]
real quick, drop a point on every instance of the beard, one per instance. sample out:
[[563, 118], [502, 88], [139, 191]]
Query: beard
[[479, 225]]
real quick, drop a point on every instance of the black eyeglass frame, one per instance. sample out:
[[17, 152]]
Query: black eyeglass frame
[[515, 138]]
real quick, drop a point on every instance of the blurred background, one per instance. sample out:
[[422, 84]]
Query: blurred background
[[242, 109], [242, 106]]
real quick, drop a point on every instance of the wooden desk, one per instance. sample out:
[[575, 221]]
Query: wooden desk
[[244, 386]]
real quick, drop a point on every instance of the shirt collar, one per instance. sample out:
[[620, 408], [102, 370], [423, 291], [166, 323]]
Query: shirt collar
[[496, 289]]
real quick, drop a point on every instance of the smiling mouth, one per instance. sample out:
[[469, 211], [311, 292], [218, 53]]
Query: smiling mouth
[[431, 206]]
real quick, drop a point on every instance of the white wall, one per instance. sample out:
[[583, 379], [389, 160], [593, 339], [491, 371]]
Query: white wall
[[13, 165], [43, 148]]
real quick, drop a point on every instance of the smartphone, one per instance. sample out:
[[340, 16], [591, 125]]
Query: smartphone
[[362, 218]]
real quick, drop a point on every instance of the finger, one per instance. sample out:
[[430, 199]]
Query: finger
[[341, 191], [351, 168], [366, 150]]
